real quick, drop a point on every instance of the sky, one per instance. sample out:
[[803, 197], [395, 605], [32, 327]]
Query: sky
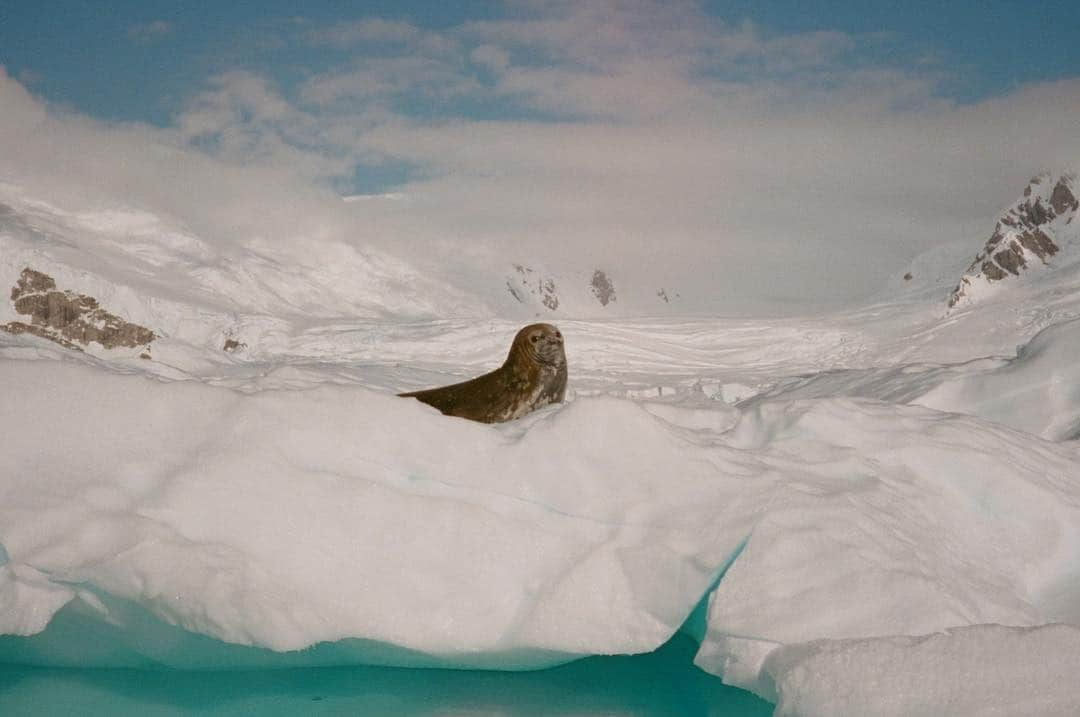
[[754, 155]]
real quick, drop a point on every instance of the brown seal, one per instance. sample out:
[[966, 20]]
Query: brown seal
[[533, 375]]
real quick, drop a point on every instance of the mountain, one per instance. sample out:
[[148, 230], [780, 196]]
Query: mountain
[[1035, 233], [118, 277]]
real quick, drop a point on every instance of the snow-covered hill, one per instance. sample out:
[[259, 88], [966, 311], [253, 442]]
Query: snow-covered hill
[[197, 292]]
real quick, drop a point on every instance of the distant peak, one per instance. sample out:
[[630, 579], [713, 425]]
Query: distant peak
[[1026, 234]]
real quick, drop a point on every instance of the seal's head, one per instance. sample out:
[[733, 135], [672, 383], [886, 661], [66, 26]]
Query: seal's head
[[541, 344]]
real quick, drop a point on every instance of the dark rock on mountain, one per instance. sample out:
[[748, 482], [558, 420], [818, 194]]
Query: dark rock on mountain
[[602, 288], [71, 320], [1026, 234]]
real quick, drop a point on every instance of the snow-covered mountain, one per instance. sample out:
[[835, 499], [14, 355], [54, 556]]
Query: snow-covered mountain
[[1036, 233], [73, 272], [202, 292]]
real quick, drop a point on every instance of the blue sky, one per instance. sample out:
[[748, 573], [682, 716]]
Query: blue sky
[[739, 150], [142, 60]]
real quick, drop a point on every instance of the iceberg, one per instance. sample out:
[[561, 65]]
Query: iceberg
[[149, 522]]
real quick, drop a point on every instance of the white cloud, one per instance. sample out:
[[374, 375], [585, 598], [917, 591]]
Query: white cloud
[[492, 57], [378, 79], [150, 31], [345, 35], [385, 197], [377, 31], [84, 164]]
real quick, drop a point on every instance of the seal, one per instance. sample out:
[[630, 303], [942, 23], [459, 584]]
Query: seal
[[533, 375]]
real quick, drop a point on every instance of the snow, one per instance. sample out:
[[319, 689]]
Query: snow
[[892, 521], [281, 518], [1038, 391], [200, 280], [873, 512], [950, 672]]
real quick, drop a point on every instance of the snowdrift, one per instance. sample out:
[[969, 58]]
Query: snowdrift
[[1036, 391]]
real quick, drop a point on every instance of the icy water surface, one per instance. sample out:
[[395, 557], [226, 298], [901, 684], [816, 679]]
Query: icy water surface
[[661, 683]]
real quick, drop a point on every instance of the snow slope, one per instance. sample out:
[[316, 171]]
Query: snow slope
[[159, 271]]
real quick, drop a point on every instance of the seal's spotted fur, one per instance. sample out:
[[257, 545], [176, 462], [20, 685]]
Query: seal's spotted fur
[[533, 375]]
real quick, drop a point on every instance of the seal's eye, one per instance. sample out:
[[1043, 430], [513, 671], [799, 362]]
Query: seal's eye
[[534, 338]]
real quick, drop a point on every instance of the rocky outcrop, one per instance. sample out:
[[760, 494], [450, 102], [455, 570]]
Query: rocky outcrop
[[526, 282], [538, 288], [71, 320], [1025, 235], [667, 298], [602, 288]]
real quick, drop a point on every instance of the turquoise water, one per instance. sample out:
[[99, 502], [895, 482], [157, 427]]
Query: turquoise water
[[664, 682], [144, 652]]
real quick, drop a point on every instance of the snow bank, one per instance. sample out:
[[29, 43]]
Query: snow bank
[[288, 518], [889, 521], [981, 670], [1037, 392]]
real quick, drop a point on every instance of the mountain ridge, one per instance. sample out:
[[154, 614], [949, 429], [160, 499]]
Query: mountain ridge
[[1029, 234]]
